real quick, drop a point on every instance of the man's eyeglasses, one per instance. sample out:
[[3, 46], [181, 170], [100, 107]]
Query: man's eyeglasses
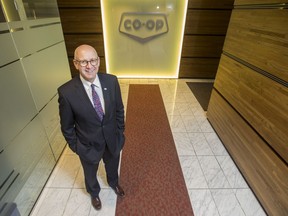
[[84, 63]]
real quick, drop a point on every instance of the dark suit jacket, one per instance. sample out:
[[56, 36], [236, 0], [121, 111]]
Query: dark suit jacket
[[84, 132]]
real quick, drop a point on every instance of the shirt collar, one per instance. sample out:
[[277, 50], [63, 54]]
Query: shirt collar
[[87, 84]]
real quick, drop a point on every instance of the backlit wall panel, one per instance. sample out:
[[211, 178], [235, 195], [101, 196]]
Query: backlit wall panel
[[143, 38]]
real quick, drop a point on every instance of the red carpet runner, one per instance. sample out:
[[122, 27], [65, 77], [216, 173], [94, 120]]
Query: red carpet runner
[[150, 169]]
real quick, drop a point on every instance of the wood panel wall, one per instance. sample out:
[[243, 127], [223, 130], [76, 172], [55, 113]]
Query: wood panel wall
[[249, 103], [206, 25], [82, 24], [258, 2]]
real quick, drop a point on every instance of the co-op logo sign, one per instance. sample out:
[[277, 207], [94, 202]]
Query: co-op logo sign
[[143, 27]]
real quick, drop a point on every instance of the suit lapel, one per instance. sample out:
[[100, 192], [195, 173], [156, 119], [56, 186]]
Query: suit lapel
[[83, 97]]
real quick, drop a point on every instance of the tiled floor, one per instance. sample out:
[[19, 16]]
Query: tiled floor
[[216, 187]]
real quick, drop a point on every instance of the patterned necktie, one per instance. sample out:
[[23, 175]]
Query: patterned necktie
[[97, 103]]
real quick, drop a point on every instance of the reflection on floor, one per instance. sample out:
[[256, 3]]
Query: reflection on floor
[[215, 186]]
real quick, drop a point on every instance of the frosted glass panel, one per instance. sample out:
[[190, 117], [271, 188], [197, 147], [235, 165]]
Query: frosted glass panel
[[143, 38], [6, 44], [17, 106], [16, 10], [10, 10], [33, 64], [57, 142], [50, 116], [2, 17], [40, 9], [33, 186], [51, 121], [22, 157], [31, 30], [46, 71]]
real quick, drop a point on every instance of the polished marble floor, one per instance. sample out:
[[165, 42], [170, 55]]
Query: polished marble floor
[[215, 186]]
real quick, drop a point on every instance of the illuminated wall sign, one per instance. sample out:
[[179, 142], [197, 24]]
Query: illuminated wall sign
[[143, 38], [143, 27]]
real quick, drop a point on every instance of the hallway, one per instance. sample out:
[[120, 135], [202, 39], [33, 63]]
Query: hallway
[[215, 186]]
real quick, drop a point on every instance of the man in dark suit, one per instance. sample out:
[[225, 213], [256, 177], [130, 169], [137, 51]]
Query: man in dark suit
[[92, 120]]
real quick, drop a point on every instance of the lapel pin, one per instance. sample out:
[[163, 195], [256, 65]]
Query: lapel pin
[[105, 89]]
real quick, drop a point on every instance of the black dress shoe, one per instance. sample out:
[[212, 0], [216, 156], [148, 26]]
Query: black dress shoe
[[96, 203], [119, 191]]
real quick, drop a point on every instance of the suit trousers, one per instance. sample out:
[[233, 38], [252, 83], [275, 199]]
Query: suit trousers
[[90, 173]]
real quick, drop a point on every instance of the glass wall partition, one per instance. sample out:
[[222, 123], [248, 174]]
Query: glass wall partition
[[33, 63]]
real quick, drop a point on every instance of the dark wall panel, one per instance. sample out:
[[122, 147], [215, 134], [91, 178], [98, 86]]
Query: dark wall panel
[[82, 24], [209, 22], [78, 3], [199, 46], [203, 68], [223, 4], [81, 20], [205, 30], [74, 40]]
